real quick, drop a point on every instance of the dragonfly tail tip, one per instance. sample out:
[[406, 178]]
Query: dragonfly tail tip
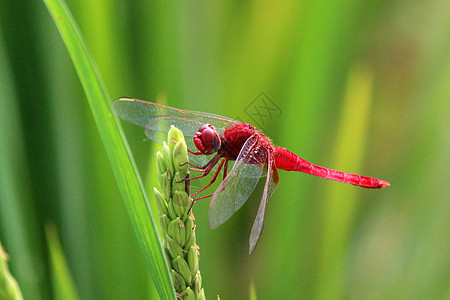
[[384, 184]]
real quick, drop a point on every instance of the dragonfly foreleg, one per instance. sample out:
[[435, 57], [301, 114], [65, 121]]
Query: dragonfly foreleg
[[214, 177], [195, 153], [224, 162], [225, 170], [209, 166], [195, 167], [194, 200], [204, 197], [198, 168]]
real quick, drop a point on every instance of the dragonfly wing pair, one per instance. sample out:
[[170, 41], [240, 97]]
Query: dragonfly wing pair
[[157, 118], [253, 162]]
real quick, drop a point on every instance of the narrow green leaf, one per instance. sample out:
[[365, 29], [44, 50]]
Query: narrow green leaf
[[63, 285], [117, 149], [252, 291]]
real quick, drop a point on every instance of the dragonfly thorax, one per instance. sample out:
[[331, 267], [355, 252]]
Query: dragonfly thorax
[[207, 140]]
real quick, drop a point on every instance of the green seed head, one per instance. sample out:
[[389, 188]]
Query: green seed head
[[191, 241], [178, 183], [164, 223], [161, 166], [181, 266], [173, 137], [178, 281], [167, 156], [177, 231], [180, 156], [178, 228], [171, 209], [192, 259], [197, 284], [190, 232], [173, 247], [164, 183], [162, 204], [201, 295], [188, 294], [181, 203]]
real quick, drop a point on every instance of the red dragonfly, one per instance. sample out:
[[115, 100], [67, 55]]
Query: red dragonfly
[[220, 139]]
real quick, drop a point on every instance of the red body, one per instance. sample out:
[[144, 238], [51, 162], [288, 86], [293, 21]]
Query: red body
[[234, 138]]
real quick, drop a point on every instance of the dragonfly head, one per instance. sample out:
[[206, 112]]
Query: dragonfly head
[[207, 140]]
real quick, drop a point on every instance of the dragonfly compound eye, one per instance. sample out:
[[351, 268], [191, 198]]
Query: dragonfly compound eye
[[206, 139]]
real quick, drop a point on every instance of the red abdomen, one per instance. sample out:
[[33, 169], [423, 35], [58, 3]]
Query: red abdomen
[[286, 160]]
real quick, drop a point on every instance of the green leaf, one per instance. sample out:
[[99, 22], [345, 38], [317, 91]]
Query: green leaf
[[252, 291], [63, 285], [117, 149]]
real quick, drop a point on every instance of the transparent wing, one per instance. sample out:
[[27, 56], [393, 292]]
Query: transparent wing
[[270, 187], [142, 113], [157, 118], [239, 183], [158, 127]]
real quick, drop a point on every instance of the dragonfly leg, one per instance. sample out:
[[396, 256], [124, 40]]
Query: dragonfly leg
[[223, 182], [202, 169], [210, 166], [225, 170], [194, 200], [192, 165], [214, 177], [195, 153], [204, 197], [195, 167], [197, 170], [224, 177], [224, 162]]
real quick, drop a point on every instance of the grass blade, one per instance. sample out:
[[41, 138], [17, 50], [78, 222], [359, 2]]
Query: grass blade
[[63, 285], [117, 149]]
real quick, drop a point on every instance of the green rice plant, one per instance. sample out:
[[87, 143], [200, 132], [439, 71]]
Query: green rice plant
[[63, 285], [176, 217], [117, 149]]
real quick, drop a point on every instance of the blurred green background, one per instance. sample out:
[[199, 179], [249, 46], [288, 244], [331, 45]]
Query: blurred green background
[[362, 86]]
